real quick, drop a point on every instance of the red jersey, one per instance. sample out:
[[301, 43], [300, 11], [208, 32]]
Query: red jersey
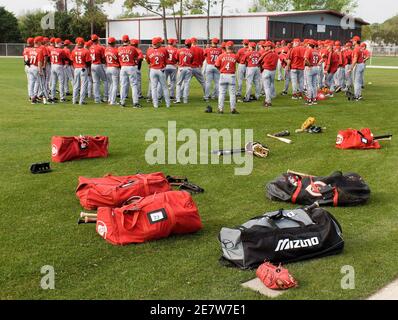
[[111, 57], [241, 55], [127, 56], [57, 56], [97, 54], [226, 63], [296, 56], [283, 58], [347, 57], [252, 58], [366, 54], [140, 55], [25, 53], [312, 56], [67, 55], [278, 50], [211, 55], [80, 57], [35, 55], [333, 62], [184, 57], [357, 55], [156, 57], [198, 57], [269, 60], [172, 57]]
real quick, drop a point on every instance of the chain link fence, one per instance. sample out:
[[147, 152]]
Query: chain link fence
[[16, 49]]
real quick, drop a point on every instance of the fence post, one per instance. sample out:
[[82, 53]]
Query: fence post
[[6, 49]]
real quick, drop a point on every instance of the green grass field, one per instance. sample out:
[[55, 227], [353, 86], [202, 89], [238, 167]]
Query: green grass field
[[385, 61], [39, 212]]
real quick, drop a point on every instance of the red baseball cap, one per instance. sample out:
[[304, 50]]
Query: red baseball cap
[[79, 40], [193, 39], [268, 44], [94, 37], [363, 44], [52, 40], [30, 41], [337, 43], [67, 42], [38, 39], [125, 38], [87, 44], [348, 44], [229, 44], [45, 39], [223, 45], [245, 41], [111, 40], [171, 41], [312, 42], [356, 38], [261, 43], [215, 40], [296, 40], [156, 40], [134, 41], [58, 40], [188, 41], [252, 44]]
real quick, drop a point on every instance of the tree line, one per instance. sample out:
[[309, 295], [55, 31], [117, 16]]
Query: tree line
[[84, 17]]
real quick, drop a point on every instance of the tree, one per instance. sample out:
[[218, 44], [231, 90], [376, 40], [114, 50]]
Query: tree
[[303, 5], [158, 7], [9, 31], [222, 20]]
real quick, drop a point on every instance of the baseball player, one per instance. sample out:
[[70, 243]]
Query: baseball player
[[57, 58], [112, 69], [81, 59], [25, 54], [140, 58], [358, 67], [347, 60], [311, 59], [241, 55], [87, 46], [269, 63], [184, 75], [46, 44], [278, 50], [226, 63], [68, 68], [296, 67], [128, 56], [156, 57], [339, 76], [171, 66], [332, 64], [212, 74], [197, 63], [253, 73], [283, 57], [40, 89], [367, 56], [97, 53]]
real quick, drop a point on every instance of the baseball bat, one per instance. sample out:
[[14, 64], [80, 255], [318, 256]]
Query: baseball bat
[[86, 220], [90, 215], [288, 141], [248, 148], [300, 174], [387, 137]]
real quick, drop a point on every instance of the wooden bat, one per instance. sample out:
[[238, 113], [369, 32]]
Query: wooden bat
[[387, 137], [248, 148], [299, 173], [285, 140], [90, 215], [86, 220]]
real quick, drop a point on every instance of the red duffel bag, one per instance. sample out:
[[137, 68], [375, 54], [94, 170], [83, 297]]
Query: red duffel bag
[[113, 191], [150, 218], [79, 147], [356, 139]]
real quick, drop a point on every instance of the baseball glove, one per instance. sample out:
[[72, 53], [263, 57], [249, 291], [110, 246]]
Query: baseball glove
[[308, 123], [260, 150], [277, 278]]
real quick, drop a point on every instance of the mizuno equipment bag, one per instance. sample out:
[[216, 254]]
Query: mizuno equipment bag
[[356, 139], [81, 147], [154, 217], [113, 191], [337, 190], [280, 237]]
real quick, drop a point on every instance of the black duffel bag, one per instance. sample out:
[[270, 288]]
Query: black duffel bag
[[281, 237], [338, 189]]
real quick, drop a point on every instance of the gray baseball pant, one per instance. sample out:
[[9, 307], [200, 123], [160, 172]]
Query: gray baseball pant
[[80, 85], [98, 75], [241, 77], [269, 84], [212, 75], [128, 75], [197, 73], [57, 74], [171, 76], [184, 77], [113, 75], [253, 75], [227, 82], [158, 77]]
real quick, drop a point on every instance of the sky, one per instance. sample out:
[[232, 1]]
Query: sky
[[370, 10]]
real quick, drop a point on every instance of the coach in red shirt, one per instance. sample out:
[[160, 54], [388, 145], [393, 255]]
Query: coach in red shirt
[[197, 63], [296, 66], [269, 62], [226, 63]]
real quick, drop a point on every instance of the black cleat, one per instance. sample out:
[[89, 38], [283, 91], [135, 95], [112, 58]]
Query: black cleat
[[137, 106], [234, 111]]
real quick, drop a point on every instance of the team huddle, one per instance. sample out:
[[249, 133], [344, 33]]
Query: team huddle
[[308, 66]]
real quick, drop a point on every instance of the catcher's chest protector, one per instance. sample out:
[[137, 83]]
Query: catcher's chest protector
[[338, 189], [356, 139], [113, 191], [150, 218], [72, 148], [281, 237]]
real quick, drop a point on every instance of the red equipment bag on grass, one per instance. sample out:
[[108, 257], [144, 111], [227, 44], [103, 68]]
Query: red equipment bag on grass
[[113, 191], [154, 217], [79, 147], [356, 139]]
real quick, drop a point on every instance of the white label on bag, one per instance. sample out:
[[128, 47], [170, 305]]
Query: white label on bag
[[156, 216], [287, 244], [54, 150], [102, 229]]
